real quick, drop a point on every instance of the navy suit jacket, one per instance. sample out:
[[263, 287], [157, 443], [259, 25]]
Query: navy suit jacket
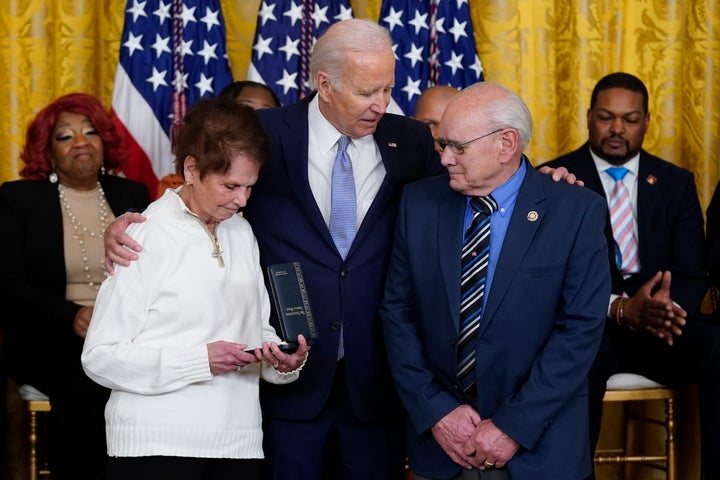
[[671, 234], [40, 342], [538, 337], [289, 227]]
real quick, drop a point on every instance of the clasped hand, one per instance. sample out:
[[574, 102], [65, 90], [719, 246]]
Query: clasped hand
[[655, 313], [472, 442]]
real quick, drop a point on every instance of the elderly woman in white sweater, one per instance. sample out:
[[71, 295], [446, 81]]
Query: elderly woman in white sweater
[[170, 334]]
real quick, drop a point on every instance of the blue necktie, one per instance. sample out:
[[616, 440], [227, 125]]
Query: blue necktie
[[475, 254], [343, 208]]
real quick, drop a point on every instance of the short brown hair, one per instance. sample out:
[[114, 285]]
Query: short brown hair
[[215, 129]]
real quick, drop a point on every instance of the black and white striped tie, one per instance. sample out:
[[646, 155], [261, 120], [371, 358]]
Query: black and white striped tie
[[475, 253]]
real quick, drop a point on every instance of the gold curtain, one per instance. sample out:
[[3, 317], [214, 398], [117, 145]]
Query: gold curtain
[[551, 52]]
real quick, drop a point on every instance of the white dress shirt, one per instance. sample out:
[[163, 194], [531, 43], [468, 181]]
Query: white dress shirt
[[631, 183], [368, 168]]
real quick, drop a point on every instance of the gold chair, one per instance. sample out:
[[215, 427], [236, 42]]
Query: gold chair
[[629, 387], [35, 402]]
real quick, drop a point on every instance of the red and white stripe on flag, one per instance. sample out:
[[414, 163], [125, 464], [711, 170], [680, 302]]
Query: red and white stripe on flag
[[172, 53]]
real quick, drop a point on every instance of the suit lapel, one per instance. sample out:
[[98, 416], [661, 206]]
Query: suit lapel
[[646, 198], [451, 215], [583, 167], [295, 154], [389, 152], [518, 238]]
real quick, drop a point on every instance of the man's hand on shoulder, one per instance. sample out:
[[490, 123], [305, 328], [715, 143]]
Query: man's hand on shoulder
[[120, 248], [561, 173]]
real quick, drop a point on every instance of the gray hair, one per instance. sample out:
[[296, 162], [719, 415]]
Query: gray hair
[[342, 39], [512, 112], [505, 111]]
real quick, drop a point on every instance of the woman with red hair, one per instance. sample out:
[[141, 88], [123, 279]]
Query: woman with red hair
[[51, 249]]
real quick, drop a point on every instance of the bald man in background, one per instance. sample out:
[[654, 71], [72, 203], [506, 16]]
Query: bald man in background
[[431, 105]]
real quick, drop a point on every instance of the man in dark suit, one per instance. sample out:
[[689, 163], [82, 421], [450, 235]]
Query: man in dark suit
[[658, 275], [343, 409], [521, 411]]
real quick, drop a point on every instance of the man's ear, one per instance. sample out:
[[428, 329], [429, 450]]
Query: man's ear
[[323, 85], [509, 144], [647, 123], [587, 117]]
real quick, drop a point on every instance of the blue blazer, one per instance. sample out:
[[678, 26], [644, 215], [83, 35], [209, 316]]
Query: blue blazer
[[539, 334], [671, 231], [290, 227]]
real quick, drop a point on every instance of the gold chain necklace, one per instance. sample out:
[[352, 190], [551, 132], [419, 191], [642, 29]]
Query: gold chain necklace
[[217, 248]]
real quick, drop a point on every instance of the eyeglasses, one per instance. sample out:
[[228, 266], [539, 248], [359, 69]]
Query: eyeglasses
[[459, 148]]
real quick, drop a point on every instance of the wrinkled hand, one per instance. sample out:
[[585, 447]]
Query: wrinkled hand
[[489, 444], [281, 361], [454, 430], [655, 313], [226, 357], [82, 321], [561, 173], [120, 248]]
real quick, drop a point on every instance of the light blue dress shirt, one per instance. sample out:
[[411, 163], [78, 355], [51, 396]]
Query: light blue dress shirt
[[505, 195]]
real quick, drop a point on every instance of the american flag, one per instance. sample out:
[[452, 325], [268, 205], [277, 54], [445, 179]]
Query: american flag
[[285, 35], [434, 44], [172, 53], [433, 41]]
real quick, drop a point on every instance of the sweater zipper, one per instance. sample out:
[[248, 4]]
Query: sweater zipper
[[217, 249]]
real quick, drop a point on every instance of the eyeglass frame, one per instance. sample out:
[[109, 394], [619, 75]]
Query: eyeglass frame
[[459, 148]]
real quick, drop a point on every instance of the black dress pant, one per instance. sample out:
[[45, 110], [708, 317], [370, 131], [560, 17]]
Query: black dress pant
[[183, 468], [76, 444]]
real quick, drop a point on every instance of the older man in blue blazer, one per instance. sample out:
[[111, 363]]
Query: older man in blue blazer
[[538, 322]]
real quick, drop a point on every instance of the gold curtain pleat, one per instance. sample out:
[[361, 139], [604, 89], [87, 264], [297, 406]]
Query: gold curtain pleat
[[551, 52]]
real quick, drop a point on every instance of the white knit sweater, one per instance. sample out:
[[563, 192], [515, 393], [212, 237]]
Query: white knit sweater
[[148, 335]]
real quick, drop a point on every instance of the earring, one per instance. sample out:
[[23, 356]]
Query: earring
[[102, 170], [53, 176]]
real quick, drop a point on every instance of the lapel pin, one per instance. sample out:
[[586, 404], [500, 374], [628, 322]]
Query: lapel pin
[[392, 144], [651, 180], [532, 215]]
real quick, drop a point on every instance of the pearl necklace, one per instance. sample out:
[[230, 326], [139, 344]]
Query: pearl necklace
[[80, 230]]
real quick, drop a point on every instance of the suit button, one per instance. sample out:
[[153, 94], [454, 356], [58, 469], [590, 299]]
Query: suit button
[[452, 342], [344, 274], [335, 326]]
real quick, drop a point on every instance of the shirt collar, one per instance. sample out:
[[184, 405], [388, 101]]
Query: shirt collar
[[506, 193], [326, 135]]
